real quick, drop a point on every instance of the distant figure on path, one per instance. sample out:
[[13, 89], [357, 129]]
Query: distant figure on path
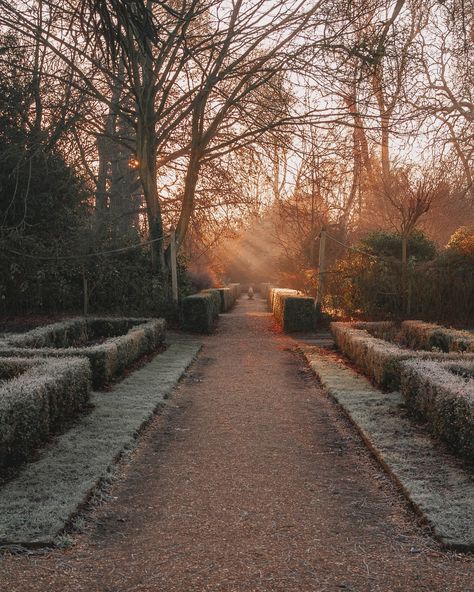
[[250, 293]]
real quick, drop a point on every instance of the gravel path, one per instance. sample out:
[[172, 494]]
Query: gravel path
[[252, 481]]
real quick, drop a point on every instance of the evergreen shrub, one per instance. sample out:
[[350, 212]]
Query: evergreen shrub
[[121, 342], [430, 336], [37, 395], [442, 395], [380, 359], [293, 311], [199, 312]]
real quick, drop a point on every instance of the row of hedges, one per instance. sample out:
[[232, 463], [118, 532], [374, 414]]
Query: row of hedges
[[69, 339], [263, 289], [292, 310], [442, 395], [36, 397], [429, 336], [438, 387], [376, 357], [199, 312]]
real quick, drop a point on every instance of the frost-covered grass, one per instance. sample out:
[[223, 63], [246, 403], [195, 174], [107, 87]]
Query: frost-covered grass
[[125, 340], [36, 396], [377, 358], [442, 395], [429, 336], [37, 505], [441, 489], [292, 310]]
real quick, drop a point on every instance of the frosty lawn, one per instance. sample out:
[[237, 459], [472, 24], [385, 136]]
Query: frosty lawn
[[441, 490], [35, 507]]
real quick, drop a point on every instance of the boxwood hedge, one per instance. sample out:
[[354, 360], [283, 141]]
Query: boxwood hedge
[[122, 341], [199, 312], [429, 336], [380, 359], [293, 311], [442, 394], [36, 396]]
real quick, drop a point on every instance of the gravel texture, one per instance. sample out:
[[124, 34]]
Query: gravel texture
[[251, 481]]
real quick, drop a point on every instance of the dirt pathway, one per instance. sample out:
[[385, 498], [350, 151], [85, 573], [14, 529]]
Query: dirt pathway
[[251, 482]]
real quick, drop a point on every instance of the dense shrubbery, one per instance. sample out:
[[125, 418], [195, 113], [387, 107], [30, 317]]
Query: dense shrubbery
[[442, 394], [200, 311], [438, 286], [124, 341], [368, 345], [36, 397], [122, 284], [293, 311]]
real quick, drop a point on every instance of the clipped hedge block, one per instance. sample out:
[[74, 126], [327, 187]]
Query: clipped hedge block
[[263, 289], [227, 299], [216, 300], [236, 290], [272, 293], [199, 312], [37, 395], [293, 311], [125, 340], [429, 336], [442, 395], [377, 358]]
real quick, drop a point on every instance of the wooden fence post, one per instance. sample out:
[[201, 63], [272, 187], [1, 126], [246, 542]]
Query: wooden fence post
[[174, 266], [86, 292], [322, 267]]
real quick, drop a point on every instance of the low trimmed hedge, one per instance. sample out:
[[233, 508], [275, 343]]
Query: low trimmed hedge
[[126, 340], [293, 311], [379, 359], [36, 397], [227, 297], [263, 289], [236, 290], [199, 312], [429, 336], [442, 395]]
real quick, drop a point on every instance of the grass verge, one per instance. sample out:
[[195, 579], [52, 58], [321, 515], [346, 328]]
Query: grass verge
[[36, 506]]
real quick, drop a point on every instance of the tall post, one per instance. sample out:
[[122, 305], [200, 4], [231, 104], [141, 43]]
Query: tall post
[[174, 265], [322, 266], [86, 292]]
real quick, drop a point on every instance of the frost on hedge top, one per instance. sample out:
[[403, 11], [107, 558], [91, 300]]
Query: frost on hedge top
[[378, 357], [37, 395], [292, 309], [78, 332], [110, 344], [442, 394], [429, 336]]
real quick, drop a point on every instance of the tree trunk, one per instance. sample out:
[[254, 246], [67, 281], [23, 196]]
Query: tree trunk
[[146, 155], [187, 209]]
